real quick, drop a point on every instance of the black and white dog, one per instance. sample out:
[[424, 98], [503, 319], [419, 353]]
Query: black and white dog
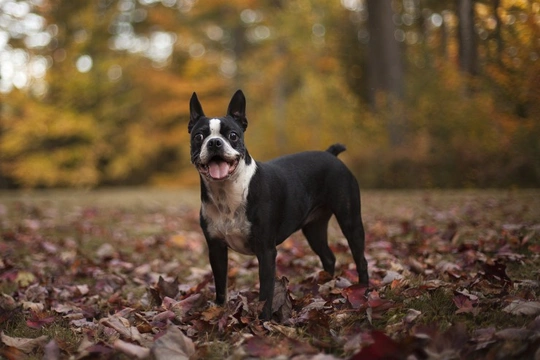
[[251, 207]]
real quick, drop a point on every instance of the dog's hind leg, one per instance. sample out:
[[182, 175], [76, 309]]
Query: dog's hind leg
[[350, 222], [316, 233]]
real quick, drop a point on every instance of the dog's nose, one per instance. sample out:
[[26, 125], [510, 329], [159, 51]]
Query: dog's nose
[[215, 143]]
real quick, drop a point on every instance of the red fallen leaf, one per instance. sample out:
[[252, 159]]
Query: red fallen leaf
[[383, 347], [534, 248], [37, 321], [356, 295], [428, 230], [464, 304], [264, 347], [377, 304], [317, 323]]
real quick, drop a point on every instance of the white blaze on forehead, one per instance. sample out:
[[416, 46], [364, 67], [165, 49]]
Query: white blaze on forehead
[[215, 127]]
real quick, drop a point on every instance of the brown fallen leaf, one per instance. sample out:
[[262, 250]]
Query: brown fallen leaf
[[281, 303], [26, 345], [132, 349], [466, 304], [266, 347], [182, 307], [212, 313], [166, 288], [123, 327], [173, 345], [522, 307]]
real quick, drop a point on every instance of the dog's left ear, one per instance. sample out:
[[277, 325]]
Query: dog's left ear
[[195, 111], [237, 109]]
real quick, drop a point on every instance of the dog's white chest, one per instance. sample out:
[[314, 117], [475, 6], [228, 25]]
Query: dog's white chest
[[228, 224], [225, 213]]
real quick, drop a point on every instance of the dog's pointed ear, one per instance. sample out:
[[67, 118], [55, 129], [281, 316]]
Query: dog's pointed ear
[[237, 109], [195, 111]]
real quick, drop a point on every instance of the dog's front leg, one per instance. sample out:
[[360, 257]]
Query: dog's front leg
[[218, 252], [267, 276]]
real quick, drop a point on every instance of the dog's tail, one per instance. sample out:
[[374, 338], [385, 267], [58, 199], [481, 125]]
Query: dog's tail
[[336, 149]]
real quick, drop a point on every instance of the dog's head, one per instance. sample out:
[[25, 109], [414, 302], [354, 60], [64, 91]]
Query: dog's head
[[217, 144]]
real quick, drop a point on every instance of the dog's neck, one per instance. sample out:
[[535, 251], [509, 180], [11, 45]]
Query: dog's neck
[[228, 195]]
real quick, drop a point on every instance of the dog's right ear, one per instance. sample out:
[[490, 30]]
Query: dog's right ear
[[195, 111]]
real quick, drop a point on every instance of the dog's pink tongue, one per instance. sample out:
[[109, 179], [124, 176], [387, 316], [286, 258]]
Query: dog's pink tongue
[[218, 169]]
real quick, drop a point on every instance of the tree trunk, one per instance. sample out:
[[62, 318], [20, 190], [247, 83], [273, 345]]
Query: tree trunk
[[444, 38], [497, 32], [385, 67], [467, 38]]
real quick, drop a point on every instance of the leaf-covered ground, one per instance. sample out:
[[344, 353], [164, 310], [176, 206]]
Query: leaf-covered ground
[[124, 274]]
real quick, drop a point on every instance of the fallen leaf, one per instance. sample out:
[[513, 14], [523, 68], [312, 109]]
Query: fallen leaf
[[356, 295], [131, 349], [514, 334], [521, 307], [167, 288], [25, 278], [411, 316], [390, 277], [26, 345], [182, 307], [465, 303], [37, 321], [382, 347], [212, 313], [123, 327], [281, 303], [173, 345], [264, 347]]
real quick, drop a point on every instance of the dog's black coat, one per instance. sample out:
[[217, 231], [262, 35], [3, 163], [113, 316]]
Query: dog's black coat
[[252, 206]]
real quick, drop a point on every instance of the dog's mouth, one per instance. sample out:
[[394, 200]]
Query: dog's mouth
[[218, 168]]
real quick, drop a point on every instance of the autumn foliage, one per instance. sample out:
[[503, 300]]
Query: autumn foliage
[[109, 105]]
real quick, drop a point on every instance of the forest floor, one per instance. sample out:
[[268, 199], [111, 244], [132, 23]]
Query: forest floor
[[123, 274]]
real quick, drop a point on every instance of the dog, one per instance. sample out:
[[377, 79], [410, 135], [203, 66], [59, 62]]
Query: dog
[[251, 207]]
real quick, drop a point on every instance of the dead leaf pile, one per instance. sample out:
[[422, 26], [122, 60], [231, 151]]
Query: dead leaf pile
[[457, 281]]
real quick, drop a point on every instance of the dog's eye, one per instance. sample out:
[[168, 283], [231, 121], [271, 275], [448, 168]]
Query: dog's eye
[[233, 136], [199, 137]]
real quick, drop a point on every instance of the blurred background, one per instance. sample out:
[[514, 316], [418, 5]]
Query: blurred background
[[424, 93]]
